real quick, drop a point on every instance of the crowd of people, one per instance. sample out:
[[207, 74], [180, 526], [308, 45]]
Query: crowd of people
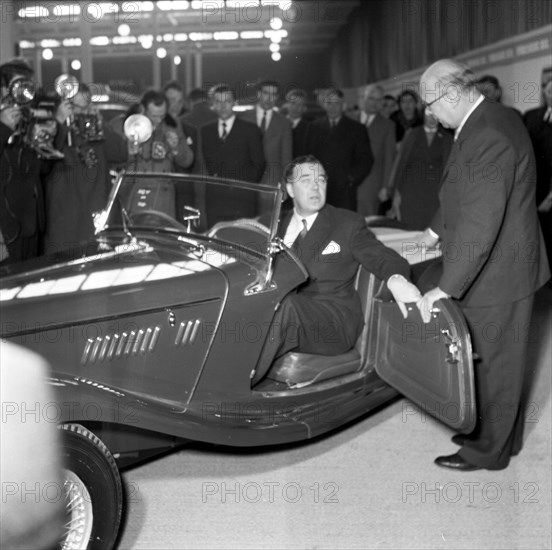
[[454, 163], [384, 157]]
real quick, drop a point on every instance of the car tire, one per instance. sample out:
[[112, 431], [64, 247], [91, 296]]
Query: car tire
[[93, 491]]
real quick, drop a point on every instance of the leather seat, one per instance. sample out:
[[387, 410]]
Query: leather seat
[[298, 370]]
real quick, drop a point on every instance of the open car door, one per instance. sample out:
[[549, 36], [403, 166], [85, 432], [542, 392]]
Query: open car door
[[431, 363]]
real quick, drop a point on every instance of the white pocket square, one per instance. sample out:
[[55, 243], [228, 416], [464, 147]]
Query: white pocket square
[[331, 248]]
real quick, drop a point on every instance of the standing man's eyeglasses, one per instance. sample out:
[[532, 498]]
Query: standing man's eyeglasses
[[428, 105]]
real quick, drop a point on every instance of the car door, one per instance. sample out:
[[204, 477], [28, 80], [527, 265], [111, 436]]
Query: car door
[[430, 364]]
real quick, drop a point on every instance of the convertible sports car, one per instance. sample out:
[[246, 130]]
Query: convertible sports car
[[154, 330]]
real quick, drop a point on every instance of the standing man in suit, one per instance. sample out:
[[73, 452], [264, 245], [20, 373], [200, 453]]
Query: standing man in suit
[[296, 103], [539, 124], [343, 147], [276, 131], [324, 316], [175, 111], [493, 253], [372, 191], [21, 196], [232, 148]]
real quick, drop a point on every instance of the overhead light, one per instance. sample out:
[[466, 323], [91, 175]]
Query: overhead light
[[146, 40], [133, 7], [274, 47], [47, 54], [65, 10], [123, 29], [161, 53], [124, 40], [177, 60], [276, 23], [180, 37], [276, 56], [168, 37], [99, 41], [72, 42], [167, 6], [75, 64], [226, 35], [50, 43], [251, 35], [276, 39], [201, 36], [35, 11], [26, 44]]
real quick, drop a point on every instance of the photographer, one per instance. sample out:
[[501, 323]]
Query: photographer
[[78, 184], [21, 201]]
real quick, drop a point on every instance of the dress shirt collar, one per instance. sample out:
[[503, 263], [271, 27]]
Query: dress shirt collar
[[296, 226], [294, 121], [334, 121], [367, 118], [429, 130], [229, 124], [468, 114]]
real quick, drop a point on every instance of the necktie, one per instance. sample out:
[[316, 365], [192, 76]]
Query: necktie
[[263, 123], [430, 134], [224, 133], [548, 115], [301, 235]]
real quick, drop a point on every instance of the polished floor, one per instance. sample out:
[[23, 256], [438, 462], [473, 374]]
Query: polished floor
[[370, 485]]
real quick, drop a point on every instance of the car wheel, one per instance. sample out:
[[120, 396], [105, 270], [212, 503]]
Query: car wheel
[[93, 491]]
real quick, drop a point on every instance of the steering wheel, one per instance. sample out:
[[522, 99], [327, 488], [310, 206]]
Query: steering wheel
[[155, 218], [244, 223]]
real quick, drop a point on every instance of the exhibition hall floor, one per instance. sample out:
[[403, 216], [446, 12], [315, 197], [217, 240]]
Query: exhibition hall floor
[[370, 485]]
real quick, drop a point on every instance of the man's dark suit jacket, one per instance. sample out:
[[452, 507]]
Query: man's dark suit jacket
[[493, 263], [345, 153], [240, 156], [493, 251], [541, 137], [300, 137]]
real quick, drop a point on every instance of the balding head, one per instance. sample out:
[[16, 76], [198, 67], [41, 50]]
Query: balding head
[[372, 98], [448, 90]]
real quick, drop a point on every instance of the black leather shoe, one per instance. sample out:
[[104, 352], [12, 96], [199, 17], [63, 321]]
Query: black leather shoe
[[456, 462], [459, 439]]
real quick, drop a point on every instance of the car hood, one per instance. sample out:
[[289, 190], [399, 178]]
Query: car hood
[[112, 281]]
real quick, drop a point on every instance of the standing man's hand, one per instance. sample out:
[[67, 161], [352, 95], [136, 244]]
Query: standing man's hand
[[425, 304], [403, 292]]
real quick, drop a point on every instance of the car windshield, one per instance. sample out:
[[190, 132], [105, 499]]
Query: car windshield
[[239, 212]]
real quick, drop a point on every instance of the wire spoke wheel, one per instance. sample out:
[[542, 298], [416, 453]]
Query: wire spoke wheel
[[79, 513], [93, 491]]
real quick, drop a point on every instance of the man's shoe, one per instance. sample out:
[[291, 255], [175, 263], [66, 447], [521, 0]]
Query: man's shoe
[[456, 462], [459, 439]]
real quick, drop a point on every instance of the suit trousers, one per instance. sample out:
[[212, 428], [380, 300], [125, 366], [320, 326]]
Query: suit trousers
[[500, 335], [309, 325]]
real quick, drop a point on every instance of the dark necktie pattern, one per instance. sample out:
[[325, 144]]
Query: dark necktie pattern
[[301, 235], [224, 132], [263, 123]]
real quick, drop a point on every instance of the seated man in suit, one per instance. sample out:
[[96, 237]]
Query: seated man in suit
[[324, 316]]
